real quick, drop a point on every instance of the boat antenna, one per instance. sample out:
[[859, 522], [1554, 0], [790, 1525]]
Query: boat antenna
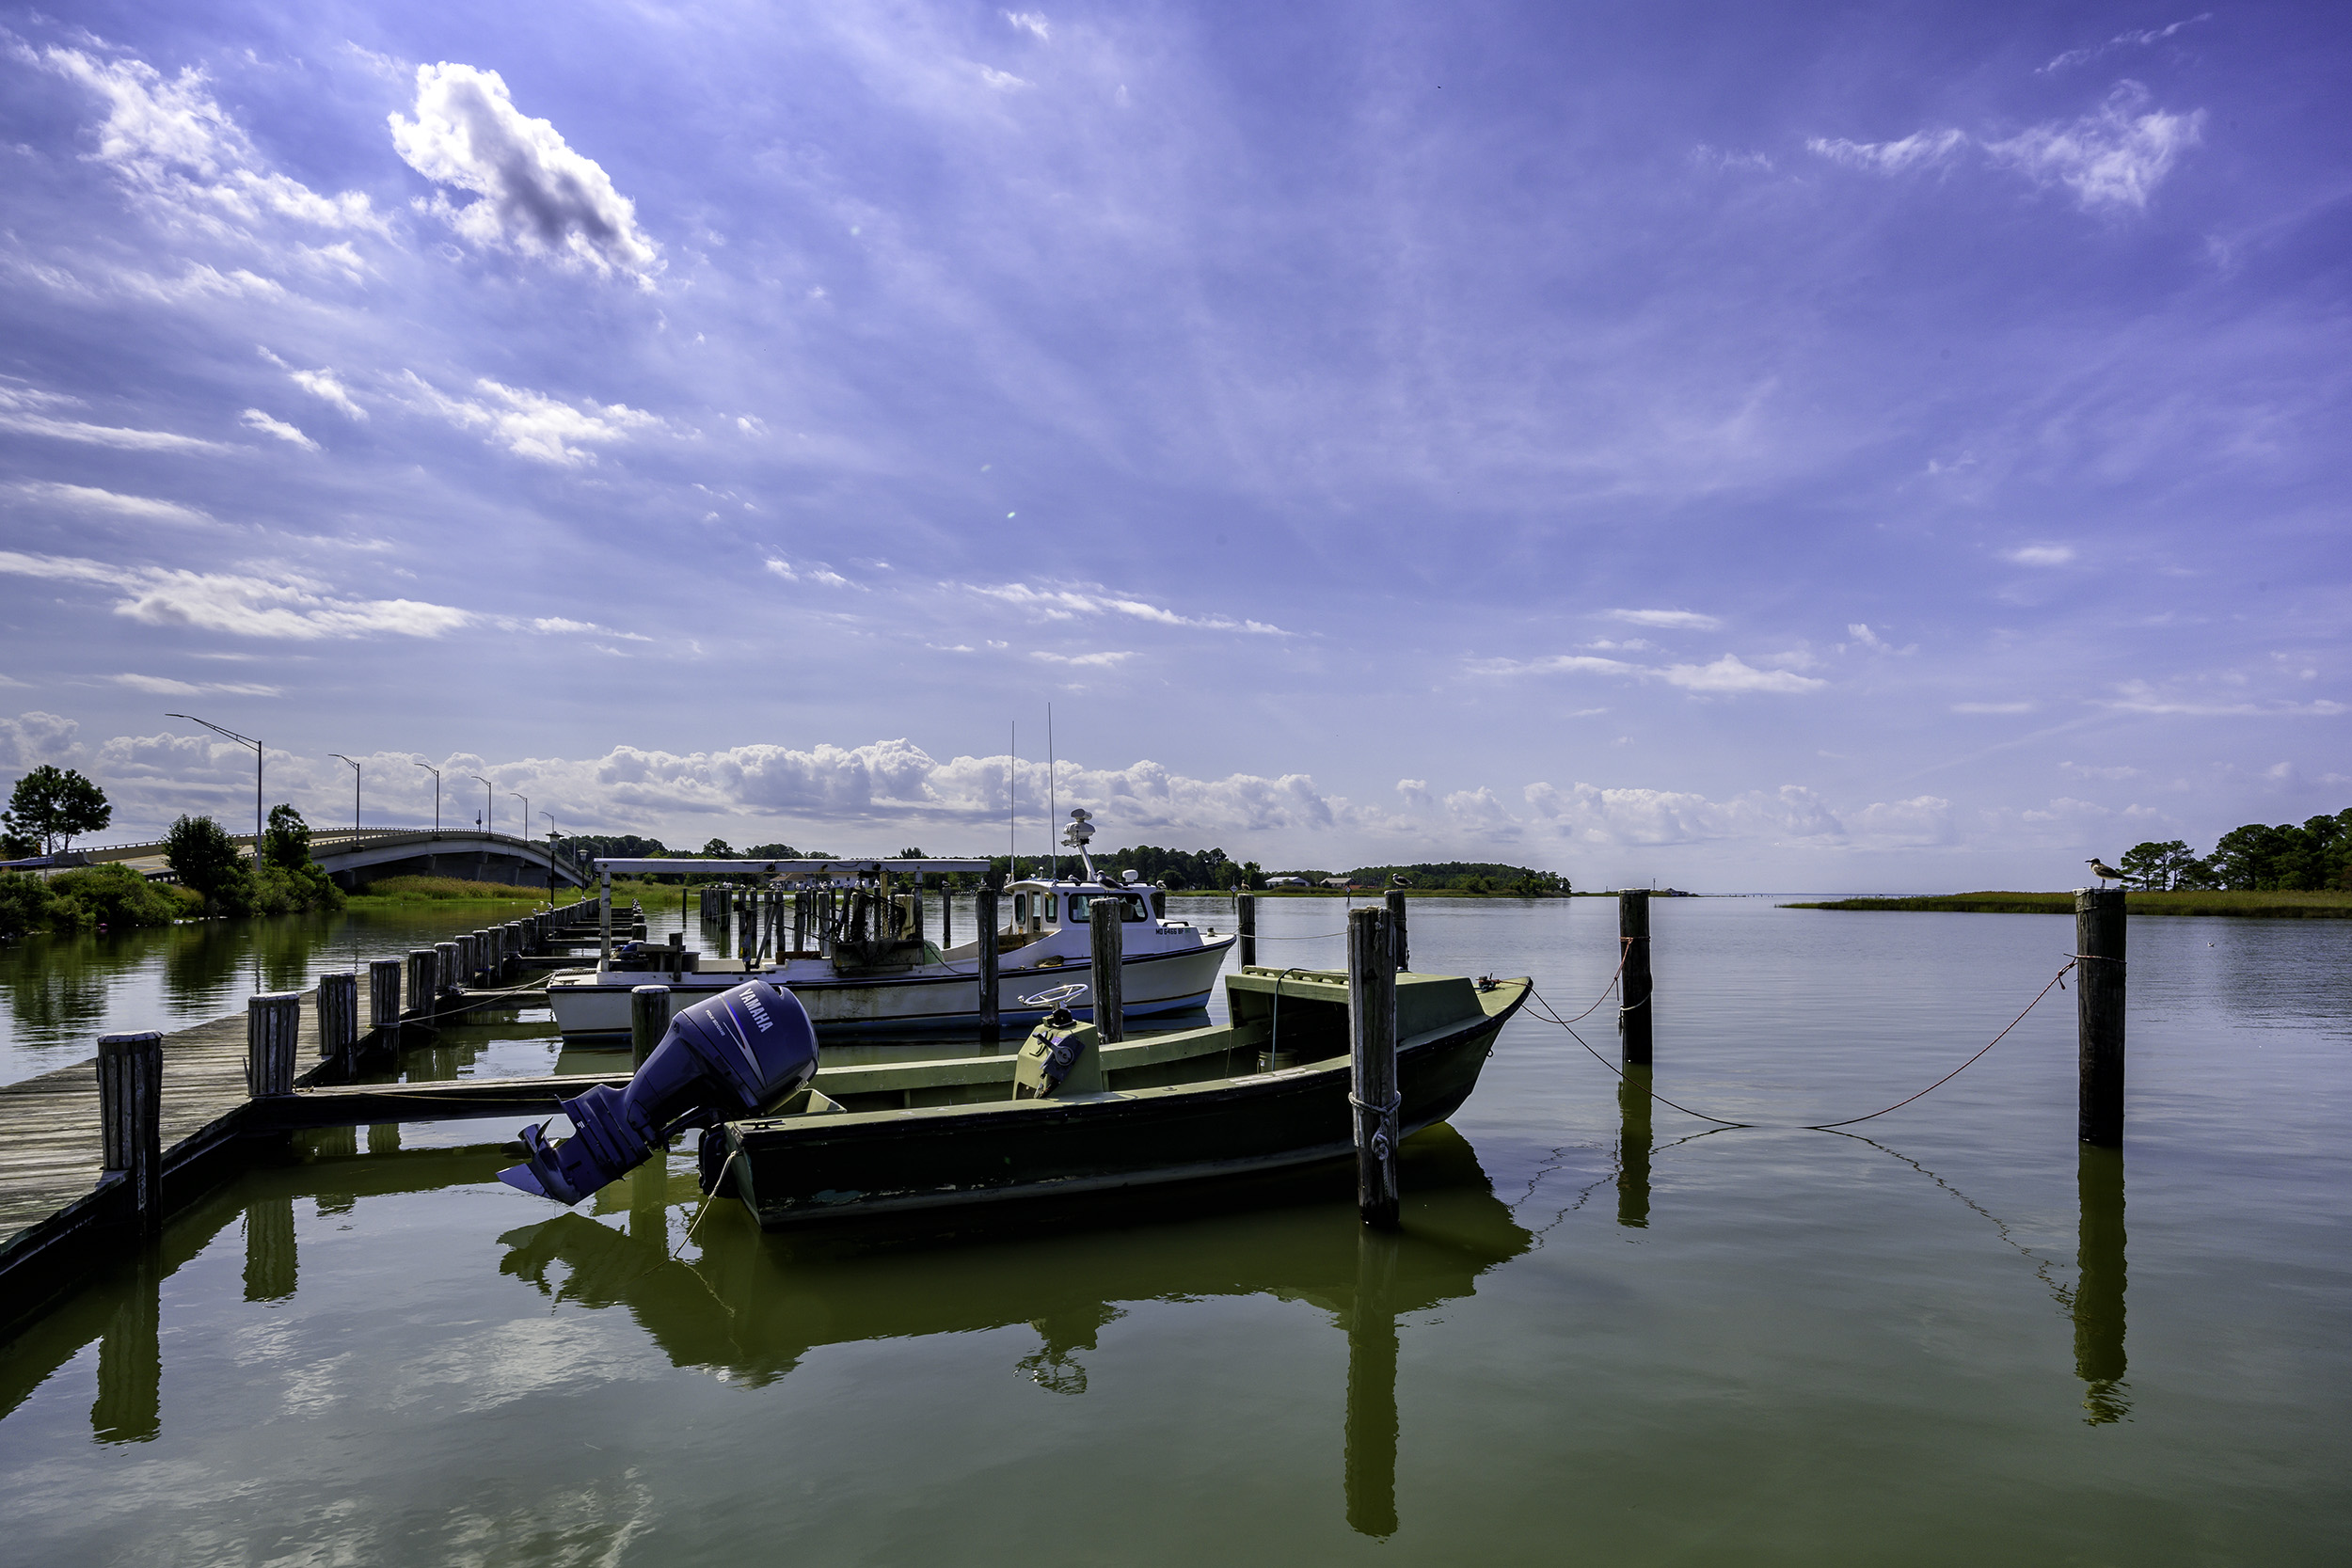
[[1012, 786], [1053, 805]]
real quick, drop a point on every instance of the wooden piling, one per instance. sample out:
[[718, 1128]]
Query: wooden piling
[[1245, 922], [947, 913], [986, 914], [1398, 948], [384, 994], [1107, 936], [271, 1024], [2099, 1016], [1372, 1065], [131, 1121], [447, 971], [425, 980], [1634, 989], [339, 1017], [648, 1021]]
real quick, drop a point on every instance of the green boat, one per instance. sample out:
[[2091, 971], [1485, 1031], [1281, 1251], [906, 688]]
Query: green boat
[[1068, 1116]]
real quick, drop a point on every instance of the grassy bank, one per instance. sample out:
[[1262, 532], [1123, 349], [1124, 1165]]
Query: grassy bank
[[444, 890], [2266, 906]]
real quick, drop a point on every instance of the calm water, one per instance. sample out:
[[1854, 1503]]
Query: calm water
[[1607, 1333]]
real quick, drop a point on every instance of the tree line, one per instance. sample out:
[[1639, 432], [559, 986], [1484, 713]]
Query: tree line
[[2256, 858]]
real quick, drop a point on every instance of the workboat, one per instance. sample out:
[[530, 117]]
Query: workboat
[[849, 939], [1070, 1114]]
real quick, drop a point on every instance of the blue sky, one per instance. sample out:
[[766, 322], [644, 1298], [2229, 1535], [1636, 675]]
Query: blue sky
[[1759, 448]]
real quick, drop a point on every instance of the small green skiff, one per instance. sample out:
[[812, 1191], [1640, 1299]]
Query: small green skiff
[[1067, 1115]]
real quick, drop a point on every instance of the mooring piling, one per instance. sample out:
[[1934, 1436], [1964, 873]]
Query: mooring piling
[[986, 914], [425, 980], [1372, 1065], [1634, 986], [271, 1024], [2099, 975], [1245, 922], [447, 971], [1110, 938], [648, 1021], [339, 1017], [131, 1121], [383, 994], [1399, 953]]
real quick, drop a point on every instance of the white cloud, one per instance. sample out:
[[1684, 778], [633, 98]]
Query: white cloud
[[31, 739], [1730, 674], [1860, 631], [16, 413], [1677, 620], [2040, 555], [789, 573], [538, 196], [531, 424], [1992, 707], [172, 144], [1032, 23], [256, 419], [1919, 149], [2137, 37], [1415, 793], [1003, 81], [1102, 660], [164, 687], [2140, 697], [87, 498], [322, 384], [2112, 157], [1791, 814], [293, 608], [1556, 664], [1062, 604]]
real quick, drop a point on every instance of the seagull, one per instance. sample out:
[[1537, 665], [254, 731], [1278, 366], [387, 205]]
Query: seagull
[[2105, 872]]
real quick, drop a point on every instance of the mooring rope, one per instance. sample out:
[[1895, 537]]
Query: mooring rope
[[1552, 1014]]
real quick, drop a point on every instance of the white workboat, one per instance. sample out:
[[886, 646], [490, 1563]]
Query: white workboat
[[869, 967]]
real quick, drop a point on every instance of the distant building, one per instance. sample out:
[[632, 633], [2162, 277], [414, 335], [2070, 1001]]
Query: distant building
[[1285, 881], [1339, 882]]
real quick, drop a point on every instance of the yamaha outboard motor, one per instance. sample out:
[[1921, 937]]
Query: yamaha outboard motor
[[732, 1055]]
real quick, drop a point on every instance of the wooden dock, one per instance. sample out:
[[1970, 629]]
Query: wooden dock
[[63, 1215]]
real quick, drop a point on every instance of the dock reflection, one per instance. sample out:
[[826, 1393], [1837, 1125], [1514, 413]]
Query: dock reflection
[[754, 1306], [2098, 1305], [1635, 1141]]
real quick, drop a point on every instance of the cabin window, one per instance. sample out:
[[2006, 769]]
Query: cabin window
[[1046, 908], [1132, 908], [1020, 909]]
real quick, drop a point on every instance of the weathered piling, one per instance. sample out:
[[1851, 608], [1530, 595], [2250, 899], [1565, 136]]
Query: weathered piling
[[1245, 922], [131, 1121], [425, 980], [747, 926], [986, 915], [339, 1017], [800, 920], [448, 972], [947, 913], [468, 944], [1369, 1461], [648, 1021], [1372, 1065], [1399, 952], [2099, 1016], [271, 1024], [1634, 986], [384, 994], [1107, 934]]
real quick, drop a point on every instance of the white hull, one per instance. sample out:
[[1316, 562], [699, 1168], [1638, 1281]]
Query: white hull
[[589, 1003]]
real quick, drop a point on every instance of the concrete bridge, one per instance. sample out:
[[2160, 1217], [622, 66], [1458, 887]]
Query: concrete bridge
[[356, 859]]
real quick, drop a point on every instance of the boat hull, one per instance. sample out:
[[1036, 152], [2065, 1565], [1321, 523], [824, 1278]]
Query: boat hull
[[590, 1004], [806, 1170]]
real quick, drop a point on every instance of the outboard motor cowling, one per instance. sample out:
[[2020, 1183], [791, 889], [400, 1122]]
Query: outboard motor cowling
[[733, 1054]]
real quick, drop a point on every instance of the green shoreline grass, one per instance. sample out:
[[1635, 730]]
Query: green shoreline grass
[[444, 890], [2261, 906]]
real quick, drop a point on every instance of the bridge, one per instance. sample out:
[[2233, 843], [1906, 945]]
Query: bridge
[[356, 859]]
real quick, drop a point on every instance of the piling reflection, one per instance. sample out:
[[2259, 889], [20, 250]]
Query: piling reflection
[[130, 1403], [2099, 1359], [753, 1306], [1633, 1147], [269, 1250]]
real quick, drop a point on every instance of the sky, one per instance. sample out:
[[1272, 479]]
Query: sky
[[1801, 448]]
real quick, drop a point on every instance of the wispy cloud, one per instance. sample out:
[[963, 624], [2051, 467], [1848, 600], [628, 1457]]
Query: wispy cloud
[[824, 574], [243, 606], [1994, 707], [1032, 23], [2115, 157], [95, 502], [2137, 38], [533, 424], [17, 406], [1101, 661], [256, 419], [1730, 674], [1069, 603], [2040, 555], [162, 685], [1917, 149], [1674, 619]]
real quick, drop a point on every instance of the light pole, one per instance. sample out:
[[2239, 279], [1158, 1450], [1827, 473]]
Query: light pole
[[526, 801], [354, 789], [489, 806], [437, 796], [242, 740]]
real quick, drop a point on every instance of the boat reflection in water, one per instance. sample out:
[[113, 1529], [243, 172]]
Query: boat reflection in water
[[753, 1306]]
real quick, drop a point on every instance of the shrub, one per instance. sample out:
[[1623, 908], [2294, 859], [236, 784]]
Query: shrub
[[25, 905], [117, 897]]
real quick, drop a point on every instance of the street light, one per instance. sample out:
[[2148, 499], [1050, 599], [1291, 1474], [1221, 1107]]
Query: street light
[[354, 789], [526, 801], [437, 796], [489, 806], [242, 740]]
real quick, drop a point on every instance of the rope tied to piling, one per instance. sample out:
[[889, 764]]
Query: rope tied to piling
[[2057, 982]]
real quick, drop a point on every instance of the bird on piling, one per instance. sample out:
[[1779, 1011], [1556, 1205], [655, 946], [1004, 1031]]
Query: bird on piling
[[2106, 873]]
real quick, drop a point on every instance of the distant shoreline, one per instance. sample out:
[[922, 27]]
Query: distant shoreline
[[2262, 906]]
